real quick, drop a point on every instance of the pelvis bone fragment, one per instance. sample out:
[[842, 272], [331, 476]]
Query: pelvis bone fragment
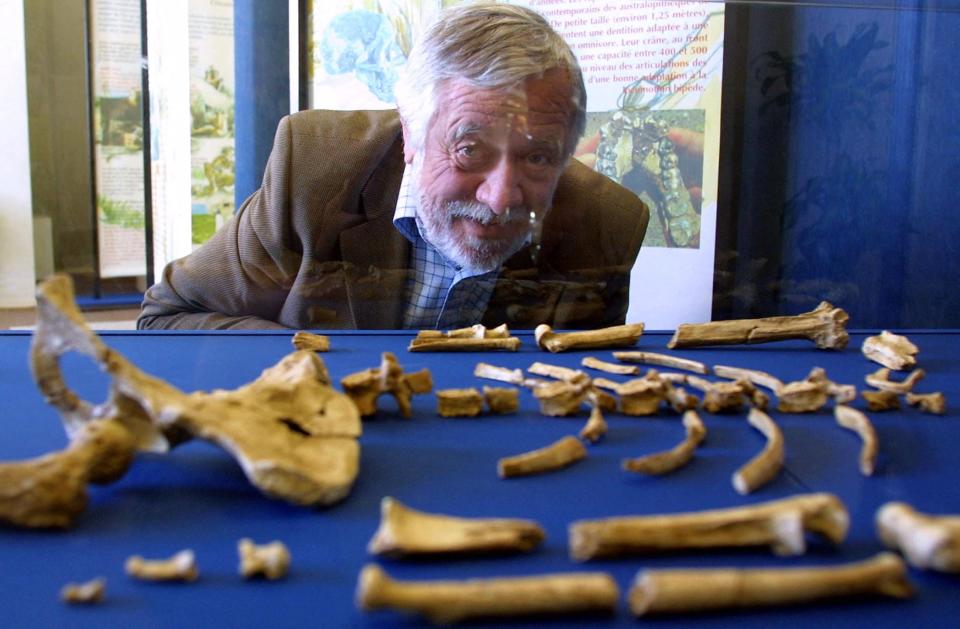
[[293, 434], [404, 531], [779, 524]]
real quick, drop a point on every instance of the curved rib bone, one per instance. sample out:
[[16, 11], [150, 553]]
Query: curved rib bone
[[779, 524], [447, 602], [880, 379], [890, 350], [825, 325], [614, 336], [698, 590], [662, 360], [271, 561], [856, 421], [927, 541], [556, 456], [404, 531], [675, 458], [762, 468]]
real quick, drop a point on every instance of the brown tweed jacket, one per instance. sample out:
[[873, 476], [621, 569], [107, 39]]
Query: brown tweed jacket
[[315, 246]]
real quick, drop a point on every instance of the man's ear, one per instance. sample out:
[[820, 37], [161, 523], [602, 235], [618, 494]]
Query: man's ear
[[408, 149]]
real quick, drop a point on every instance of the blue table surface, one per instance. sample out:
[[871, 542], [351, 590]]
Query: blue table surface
[[197, 497]]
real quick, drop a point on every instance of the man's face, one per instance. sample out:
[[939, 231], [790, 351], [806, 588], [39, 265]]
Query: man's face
[[490, 158]]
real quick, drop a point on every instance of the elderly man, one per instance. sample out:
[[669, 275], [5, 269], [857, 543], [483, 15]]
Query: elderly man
[[465, 207]]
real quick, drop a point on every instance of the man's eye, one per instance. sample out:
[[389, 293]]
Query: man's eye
[[468, 150], [539, 159]]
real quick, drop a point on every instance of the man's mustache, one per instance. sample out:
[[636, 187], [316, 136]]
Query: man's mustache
[[484, 215]]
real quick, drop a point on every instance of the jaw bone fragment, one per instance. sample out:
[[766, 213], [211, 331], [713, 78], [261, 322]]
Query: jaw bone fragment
[[476, 338], [878, 400], [762, 468], [880, 379], [614, 336], [698, 590], [557, 455], [927, 541], [447, 602], [934, 403], [293, 434], [459, 402], [779, 524], [311, 341], [675, 458], [825, 325], [856, 421], [662, 360], [271, 561], [84, 593], [890, 350], [181, 567], [404, 531], [364, 387], [501, 399], [51, 490]]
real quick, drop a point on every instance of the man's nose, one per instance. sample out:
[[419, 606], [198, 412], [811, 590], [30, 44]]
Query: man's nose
[[500, 188]]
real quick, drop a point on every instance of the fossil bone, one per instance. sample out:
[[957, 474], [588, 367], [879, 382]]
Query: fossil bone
[[662, 360], [880, 379], [365, 387], [614, 336], [553, 457], [562, 397], [459, 402], [555, 371], [478, 331], [675, 458], [87, 593], [725, 396], [779, 524], [934, 403], [698, 590], [180, 567], [762, 468], [890, 350], [404, 531], [601, 365], [51, 490], [859, 423], [825, 325], [448, 602], [596, 426], [880, 400], [927, 541], [463, 344], [311, 341], [294, 436], [643, 396], [501, 399], [271, 561], [510, 376], [757, 377]]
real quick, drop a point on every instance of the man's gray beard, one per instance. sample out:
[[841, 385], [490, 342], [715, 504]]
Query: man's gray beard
[[477, 255]]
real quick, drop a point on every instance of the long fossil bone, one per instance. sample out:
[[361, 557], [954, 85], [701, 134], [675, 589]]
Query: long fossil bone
[[662, 360], [890, 350], [762, 468], [477, 331], [271, 561], [614, 336], [779, 524], [404, 531], [698, 590], [854, 420], [825, 325], [880, 379], [675, 458], [476, 338], [553, 457], [180, 567], [447, 602], [927, 541], [934, 403], [311, 341], [365, 387]]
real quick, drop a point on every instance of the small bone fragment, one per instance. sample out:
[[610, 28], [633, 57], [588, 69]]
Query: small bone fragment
[[459, 402], [880, 379], [927, 541], [365, 387], [602, 365], [51, 490], [614, 336], [757, 377], [311, 341], [501, 374], [271, 561], [881, 400], [662, 360], [404, 531], [825, 325], [448, 602], [84, 593], [556, 456], [675, 458], [891, 350], [698, 590], [779, 524], [181, 567], [456, 344], [596, 426], [934, 403], [501, 399], [856, 421], [562, 397], [761, 469], [555, 371]]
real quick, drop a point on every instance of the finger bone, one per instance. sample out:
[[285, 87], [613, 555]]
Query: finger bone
[[271, 561], [614, 336], [90, 592], [180, 567], [556, 456]]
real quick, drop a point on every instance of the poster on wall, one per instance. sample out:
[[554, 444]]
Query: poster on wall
[[653, 71], [118, 137]]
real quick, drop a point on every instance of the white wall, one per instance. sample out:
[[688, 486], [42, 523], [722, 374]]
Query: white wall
[[16, 221]]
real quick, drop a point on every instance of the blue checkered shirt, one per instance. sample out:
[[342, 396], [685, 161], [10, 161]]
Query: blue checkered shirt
[[440, 294]]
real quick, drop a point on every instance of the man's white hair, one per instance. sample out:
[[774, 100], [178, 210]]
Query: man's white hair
[[489, 45]]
